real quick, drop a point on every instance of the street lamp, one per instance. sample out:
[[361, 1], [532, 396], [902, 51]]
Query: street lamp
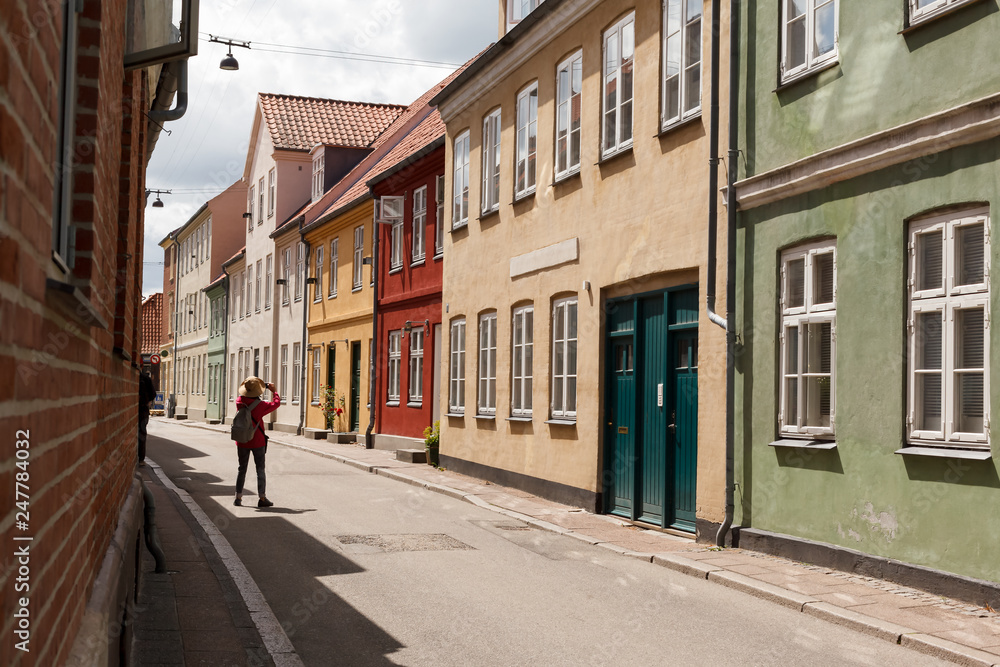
[[229, 63], [159, 202]]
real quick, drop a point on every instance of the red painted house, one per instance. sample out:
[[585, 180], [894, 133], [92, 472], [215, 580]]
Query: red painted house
[[411, 247]]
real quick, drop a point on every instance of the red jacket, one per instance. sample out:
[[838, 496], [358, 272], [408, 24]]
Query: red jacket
[[263, 408]]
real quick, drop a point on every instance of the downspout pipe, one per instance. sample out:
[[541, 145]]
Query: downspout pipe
[[369, 437], [727, 323], [175, 367], [305, 334], [165, 115], [223, 396]]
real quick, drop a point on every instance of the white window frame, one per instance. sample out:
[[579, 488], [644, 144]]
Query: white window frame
[[460, 182], [395, 357], [286, 274], [249, 298], [611, 145], [296, 373], [272, 176], [300, 269], [359, 251], [564, 312], [318, 287], [568, 98], [269, 263], [316, 369], [232, 376], [811, 60], [259, 278], [419, 221], [415, 381], [522, 344], [800, 317], [284, 367], [251, 202], [517, 10], [678, 29], [456, 373], [318, 169], [334, 266], [490, 199], [486, 395], [243, 287], [439, 216], [391, 211], [526, 144], [934, 8], [260, 201], [949, 300], [266, 365]]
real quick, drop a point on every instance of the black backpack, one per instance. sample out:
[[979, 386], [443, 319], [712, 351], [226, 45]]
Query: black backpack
[[243, 426]]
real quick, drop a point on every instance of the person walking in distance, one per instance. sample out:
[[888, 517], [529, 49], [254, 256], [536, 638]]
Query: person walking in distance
[[147, 393], [250, 398]]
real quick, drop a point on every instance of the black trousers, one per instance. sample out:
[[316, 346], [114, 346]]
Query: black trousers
[[258, 461], [143, 421]]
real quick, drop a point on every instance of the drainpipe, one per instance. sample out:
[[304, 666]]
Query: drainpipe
[[369, 437], [164, 115], [728, 322], [305, 320], [172, 401]]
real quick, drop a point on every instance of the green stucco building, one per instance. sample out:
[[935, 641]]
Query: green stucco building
[[217, 332], [869, 178]]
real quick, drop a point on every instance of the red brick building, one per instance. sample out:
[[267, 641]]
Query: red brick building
[[74, 144], [152, 334]]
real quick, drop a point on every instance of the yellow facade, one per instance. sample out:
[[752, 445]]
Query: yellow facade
[[342, 320], [625, 225]]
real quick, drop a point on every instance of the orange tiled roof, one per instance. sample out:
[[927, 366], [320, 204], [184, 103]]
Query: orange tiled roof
[[152, 323], [300, 123]]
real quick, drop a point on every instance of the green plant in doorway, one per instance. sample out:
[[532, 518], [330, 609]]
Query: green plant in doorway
[[333, 404], [432, 437]]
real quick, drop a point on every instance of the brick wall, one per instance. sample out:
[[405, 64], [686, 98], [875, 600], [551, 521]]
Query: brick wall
[[68, 380]]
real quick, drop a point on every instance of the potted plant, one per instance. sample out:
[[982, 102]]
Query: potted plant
[[432, 436], [332, 405]]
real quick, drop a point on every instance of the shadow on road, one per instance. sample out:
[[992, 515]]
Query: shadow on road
[[286, 564]]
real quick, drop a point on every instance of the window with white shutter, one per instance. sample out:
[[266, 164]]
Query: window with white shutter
[[522, 345], [456, 374], [949, 291], [491, 162], [809, 36], [808, 340], [487, 364], [923, 10], [395, 358]]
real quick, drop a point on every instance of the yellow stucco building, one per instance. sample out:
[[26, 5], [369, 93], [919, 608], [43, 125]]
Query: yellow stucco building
[[580, 362]]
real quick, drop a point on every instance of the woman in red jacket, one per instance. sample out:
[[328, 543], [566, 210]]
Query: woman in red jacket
[[251, 390]]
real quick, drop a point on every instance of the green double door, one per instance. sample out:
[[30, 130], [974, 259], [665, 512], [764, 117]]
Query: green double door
[[651, 408]]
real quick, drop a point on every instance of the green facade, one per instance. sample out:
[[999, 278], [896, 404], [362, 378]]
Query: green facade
[[218, 328], [937, 512]]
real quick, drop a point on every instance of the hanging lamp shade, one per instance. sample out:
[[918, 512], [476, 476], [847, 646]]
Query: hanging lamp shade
[[229, 63]]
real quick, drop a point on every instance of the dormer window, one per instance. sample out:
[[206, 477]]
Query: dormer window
[[518, 9], [319, 165]]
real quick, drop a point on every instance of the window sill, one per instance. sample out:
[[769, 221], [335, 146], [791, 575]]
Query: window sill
[[803, 444], [411, 404], [78, 304], [331, 296], [524, 196], [568, 176], [669, 128], [462, 224], [438, 255], [491, 418], [455, 415], [947, 453], [486, 215], [807, 74], [519, 419], [356, 289], [418, 262], [607, 158], [561, 422], [930, 17], [392, 404], [396, 269]]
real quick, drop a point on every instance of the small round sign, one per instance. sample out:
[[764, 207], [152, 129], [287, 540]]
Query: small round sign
[[154, 359]]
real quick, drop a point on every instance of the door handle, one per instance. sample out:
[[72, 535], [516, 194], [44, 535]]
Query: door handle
[[673, 428]]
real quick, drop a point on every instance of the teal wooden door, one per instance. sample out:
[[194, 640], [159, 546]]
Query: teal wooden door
[[651, 408], [684, 427], [355, 386], [621, 427], [653, 446], [331, 379]]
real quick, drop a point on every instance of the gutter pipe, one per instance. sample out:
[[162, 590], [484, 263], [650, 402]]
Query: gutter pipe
[[369, 437], [305, 333], [174, 366], [728, 322], [165, 115]]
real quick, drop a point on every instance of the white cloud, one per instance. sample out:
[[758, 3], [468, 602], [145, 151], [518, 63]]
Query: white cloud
[[207, 147]]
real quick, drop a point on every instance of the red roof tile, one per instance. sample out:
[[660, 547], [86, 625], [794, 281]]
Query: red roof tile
[[300, 123]]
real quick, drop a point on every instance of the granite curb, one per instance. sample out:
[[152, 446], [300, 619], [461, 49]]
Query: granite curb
[[720, 574]]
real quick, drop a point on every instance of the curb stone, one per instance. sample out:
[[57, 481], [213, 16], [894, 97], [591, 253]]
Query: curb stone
[[761, 589], [685, 565], [868, 625], [948, 650]]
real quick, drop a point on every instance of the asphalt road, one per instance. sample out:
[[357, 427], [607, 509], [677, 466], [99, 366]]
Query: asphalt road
[[363, 570]]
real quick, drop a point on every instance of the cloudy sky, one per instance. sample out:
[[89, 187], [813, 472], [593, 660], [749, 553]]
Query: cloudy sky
[[212, 137]]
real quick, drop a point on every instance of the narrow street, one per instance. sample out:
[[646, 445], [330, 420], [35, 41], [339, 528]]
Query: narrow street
[[364, 570]]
